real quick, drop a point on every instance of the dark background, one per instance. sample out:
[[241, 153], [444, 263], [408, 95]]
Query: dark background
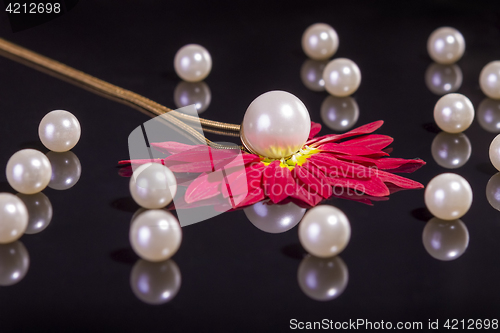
[[234, 276]]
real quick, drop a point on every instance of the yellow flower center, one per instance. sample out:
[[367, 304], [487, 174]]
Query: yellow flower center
[[290, 162]]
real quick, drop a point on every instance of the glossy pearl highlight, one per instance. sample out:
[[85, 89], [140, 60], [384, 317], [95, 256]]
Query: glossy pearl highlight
[[489, 80], [66, 170], [445, 240], [495, 152], [13, 218], [311, 74], [14, 263], [443, 79], [454, 113], [320, 41], [493, 191], [274, 219], [153, 185], [276, 125], [59, 130], [488, 115], [448, 196], [446, 45], [192, 63], [39, 211], [188, 93], [28, 171], [155, 235], [324, 231], [451, 151], [342, 77], [339, 113]]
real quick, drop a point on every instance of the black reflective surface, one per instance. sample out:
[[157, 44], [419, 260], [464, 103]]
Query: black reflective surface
[[234, 277]]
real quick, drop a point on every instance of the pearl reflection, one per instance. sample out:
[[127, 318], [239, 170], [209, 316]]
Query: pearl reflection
[[311, 74], [322, 279], [493, 191], [14, 263], [443, 79], [155, 282], [188, 93], [274, 218], [445, 240], [488, 115], [39, 211], [451, 151], [339, 113], [66, 170]]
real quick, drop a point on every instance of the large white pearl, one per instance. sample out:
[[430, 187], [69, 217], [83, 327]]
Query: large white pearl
[[66, 170], [320, 41], [153, 185], [489, 79], [339, 113], [322, 279], [192, 63], [274, 218], [324, 231], [13, 218], [59, 130], [188, 93], [488, 115], [445, 240], [28, 171], [342, 77], [454, 113], [39, 211], [14, 263], [311, 74], [493, 191], [448, 196], [276, 124], [495, 152], [446, 45], [443, 79], [155, 282], [155, 235], [451, 151]]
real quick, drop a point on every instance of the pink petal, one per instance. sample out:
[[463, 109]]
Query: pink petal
[[203, 187], [373, 141], [315, 128], [350, 149], [365, 129]]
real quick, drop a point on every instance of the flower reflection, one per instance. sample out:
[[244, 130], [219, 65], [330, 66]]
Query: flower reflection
[[323, 279], [274, 218], [445, 240], [488, 115], [66, 170], [14, 263], [39, 211], [339, 113], [451, 151], [155, 282], [311, 74], [443, 79], [493, 191], [188, 93]]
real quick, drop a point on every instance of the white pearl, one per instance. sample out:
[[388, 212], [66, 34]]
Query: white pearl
[[28, 171], [155, 282], [13, 218], [443, 79], [495, 152], [155, 235], [448, 196], [320, 41], [192, 63], [188, 93], [322, 279], [311, 74], [153, 185], [14, 263], [451, 151], [276, 124], [488, 115], [66, 170], [274, 218], [39, 211], [446, 45], [59, 130], [489, 79], [454, 113], [339, 113], [493, 191], [342, 77], [324, 231], [445, 240]]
